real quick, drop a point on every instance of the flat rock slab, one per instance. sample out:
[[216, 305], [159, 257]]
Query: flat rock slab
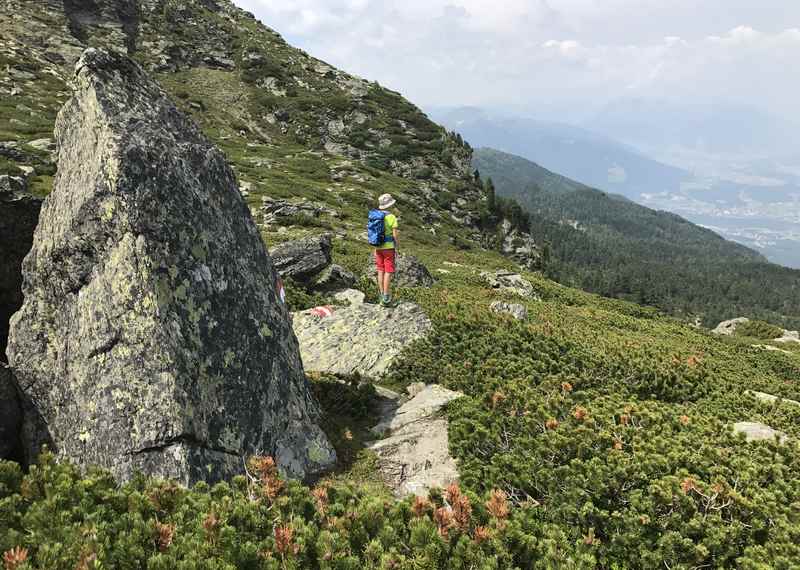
[[769, 398], [756, 431], [415, 456], [363, 338]]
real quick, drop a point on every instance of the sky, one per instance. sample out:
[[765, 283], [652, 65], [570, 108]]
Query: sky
[[556, 58]]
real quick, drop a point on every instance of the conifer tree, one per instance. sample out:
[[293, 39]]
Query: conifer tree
[[491, 199]]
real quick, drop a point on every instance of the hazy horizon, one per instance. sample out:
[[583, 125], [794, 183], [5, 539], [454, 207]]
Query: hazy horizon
[[557, 59]]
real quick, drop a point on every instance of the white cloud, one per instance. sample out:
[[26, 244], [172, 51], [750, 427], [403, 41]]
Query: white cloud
[[562, 53]]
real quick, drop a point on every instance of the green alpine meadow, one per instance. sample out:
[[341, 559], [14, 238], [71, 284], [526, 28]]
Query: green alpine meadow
[[198, 370]]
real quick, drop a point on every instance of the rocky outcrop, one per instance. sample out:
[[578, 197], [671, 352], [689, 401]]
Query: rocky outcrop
[[509, 282], [284, 212], [151, 336], [414, 455], [517, 311], [410, 272], [10, 416], [788, 336], [729, 327], [354, 339], [303, 259], [19, 214], [519, 246], [756, 431]]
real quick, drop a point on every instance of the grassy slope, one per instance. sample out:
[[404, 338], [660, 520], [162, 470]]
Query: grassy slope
[[608, 424]]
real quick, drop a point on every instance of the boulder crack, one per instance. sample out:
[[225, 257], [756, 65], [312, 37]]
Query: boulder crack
[[183, 439]]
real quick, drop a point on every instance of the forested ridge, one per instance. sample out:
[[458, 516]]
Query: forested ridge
[[609, 245]]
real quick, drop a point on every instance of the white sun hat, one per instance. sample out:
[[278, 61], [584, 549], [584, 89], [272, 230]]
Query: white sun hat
[[385, 202]]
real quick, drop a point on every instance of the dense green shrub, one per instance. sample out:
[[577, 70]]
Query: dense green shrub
[[759, 329], [56, 518], [619, 428]]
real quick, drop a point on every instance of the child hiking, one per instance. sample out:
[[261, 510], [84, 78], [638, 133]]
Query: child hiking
[[382, 233]]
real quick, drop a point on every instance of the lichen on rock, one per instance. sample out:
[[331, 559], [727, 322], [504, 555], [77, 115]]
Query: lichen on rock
[[152, 337]]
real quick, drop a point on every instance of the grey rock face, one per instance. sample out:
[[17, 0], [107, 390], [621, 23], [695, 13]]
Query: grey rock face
[[415, 457], [303, 259], [151, 336], [410, 272], [10, 416], [516, 310], [19, 214], [354, 339]]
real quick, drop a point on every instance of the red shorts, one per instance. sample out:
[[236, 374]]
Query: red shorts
[[384, 260]]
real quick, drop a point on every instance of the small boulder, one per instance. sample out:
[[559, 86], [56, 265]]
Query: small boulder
[[409, 272], [729, 327], [756, 431], [350, 297], [364, 338], [414, 456], [303, 259], [333, 278], [519, 312], [508, 281]]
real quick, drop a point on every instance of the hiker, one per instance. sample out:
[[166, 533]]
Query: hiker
[[382, 233]]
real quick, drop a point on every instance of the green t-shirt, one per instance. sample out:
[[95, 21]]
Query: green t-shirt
[[389, 224]]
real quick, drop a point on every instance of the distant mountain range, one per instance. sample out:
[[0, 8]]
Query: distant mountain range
[[721, 128], [610, 245], [752, 199], [574, 152]]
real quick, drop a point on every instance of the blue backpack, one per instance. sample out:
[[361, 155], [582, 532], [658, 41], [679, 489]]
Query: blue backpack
[[375, 228]]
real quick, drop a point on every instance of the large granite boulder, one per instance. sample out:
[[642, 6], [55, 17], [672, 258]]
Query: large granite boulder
[[362, 338], [303, 259], [10, 416], [410, 272], [151, 336], [19, 214]]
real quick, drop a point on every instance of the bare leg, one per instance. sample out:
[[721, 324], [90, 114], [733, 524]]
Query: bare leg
[[380, 282], [387, 282]]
